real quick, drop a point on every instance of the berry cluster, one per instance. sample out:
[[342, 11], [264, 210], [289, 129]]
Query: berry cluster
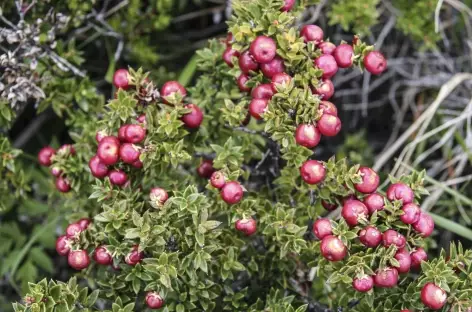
[[46, 157], [77, 258]]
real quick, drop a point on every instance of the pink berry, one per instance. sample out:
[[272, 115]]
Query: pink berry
[[118, 177], [370, 181], [108, 151], [344, 55], [73, 230], [228, 56], [312, 172], [122, 133], [170, 88], [325, 90], [247, 63], [288, 5], [328, 206], [329, 108], [100, 135], [193, 119], [263, 49], [135, 133], [121, 79], [134, 256], [329, 125], [374, 202], [63, 245], [354, 211], [370, 236], [137, 164], [97, 167], [392, 237], [307, 135], [154, 300], [205, 169], [332, 248], [262, 91], [158, 196], [62, 185], [242, 80], [84, 223], [418, 256], [56, 171], [78, 259], [280, 79], [218, 179], [411, 213], [386, 278], [401, 192], [102, 256], [404, 259], [375, 63], [312, 33], [322, 228], [257, 107], [433, 296], [276, 66], [129, 153], [327, 47], [246, 226], [425, 225], [328, 65], [45, 156], [232, 192], [363, 284]]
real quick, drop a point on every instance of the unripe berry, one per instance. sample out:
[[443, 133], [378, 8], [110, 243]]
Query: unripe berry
[[45, 156], [329, 125], [322, 228], [392, 237], [363, 284], [400, 191], [205, 170], [328, 206], [332, 248], [262, 91], [273, 67], [425, 225], [170, 88], [257, 107], [55, 171], [242, 79], [312, 172], [246, 226], [193, 119], [312, 33], [78, 259], [84, 223], [228, 56], [97, 167], [288, 5], [344, 55], [62, 185], [307, 135], [122, 133], [327, 47], [433, 296], [135, 133], [102, 256], [73, 230], [129, 153], [326, 107], [328, 65], [325, 90], [158, 196], [280, 79], [118, 177], [418, 256], [411, 213], [375, 63], [217, 179], [232, 192], [141, 119], [120, 79], [404, 259], [386, 278], [370, 181], [370, 236], [263, 49], [100, 135], [154, 300], [247, 63], [354, 211], [63, 245], [108, 150], [374, 202], [134, 256]]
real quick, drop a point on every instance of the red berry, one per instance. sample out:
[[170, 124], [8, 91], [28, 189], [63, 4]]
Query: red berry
[[122, 133], [194, 118], [73, 230], [307, 135], [55, 171], [232, 192], [262, 91], [97, 167], [118, 177], [312, 33], [288, 5], [100, 135], [322, 228], [228, 56], [312, 171], [411, 213], [170, 88], [363, 284], [217, 179], [325, 90], [263, 49], [327, 107], [375, 63], [205, 170], [141, 119], [129, 153], [370, 181], [247, 63], [102, 256], [374, 202], [327, 64], [108, 150], [62, 185], [137, 164], [246, 226], [418, 256], [425, 225], [433, 296], [370, 236], [280, 79], [66, 150], [257, 107], [154, 300], [242, 80], [158, 196], [327, 47], [329, 125], [404, 259], [276, 66], [400, 191], [392, 237], [78, 259], [353, 211], [386, 278], [84, 223], [344, 55], [134, 257], [63, 245], [45, 155], [111, 138], [120, 79], [332, 248], [328, 206], [135, 133]]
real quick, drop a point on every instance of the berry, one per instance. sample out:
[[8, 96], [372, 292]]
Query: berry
[[141, 119], [134, 256], [78, 259], [129, 153], [343, 55], [329, 125], [327, 47], [45, 155], [280, 79], [276, 66], [63, 245], [418, 256], [400, 191], [322, 228], [118, 177], [328, 206], [242, 79], [325, 90], [312, 33], [66, 150], [229, 39], [370, 181], [205, 170], [374, 202], [424, 225], [246, 226], [62, 185], [55, 171], [232, 192], [97, 167], [353, 211], [392, 237], [263, 49], [228, 56], [327, 107], [100, 135], [194, 118], [102, 256], [433, 296], [154, 300], [108, 150], [257, 107], [135, 133], [363, 284], [375, 63], [73, 230], [137, 164], [327, 64], [386, 278], [217, 179], [170, 88], [370, 236], [411, 213], [247, 63], [307, 135], [404, 259], [122, 133], [288, 5], [84, 223], [332, 248], [312, 171], [158, 196], [262, 91], [120, 79]]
